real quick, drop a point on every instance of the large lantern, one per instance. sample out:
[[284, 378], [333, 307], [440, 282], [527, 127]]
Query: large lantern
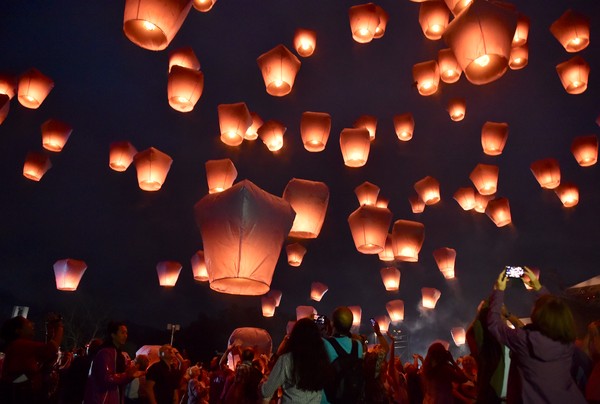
[[168, 273], [68, 273], [276, 295], [384, 323], [220, 175], [395, 309], [271, 133], [430, 296], [574, 75], [36, 165], [387, 254], [356, 315], [199, 270], [184, 57], [499, 211], [234, 121], [279, 67], [465, 198], [33, 88], [568, 194], [519, 57], [404, 125], [428, 189], [55, 134], [585, 150], [252, 132], [416, 204], [295, 254], [152, 167], [546, 172], [383, 20], [427, 77], [268, 306], [309, 199], [457, 108], [4, 107], [407, 239], [459, 335], [367, 193], [364, 21], [121, 155], [243, 230], [314, 129], [317, 291], [445, 259], [8, 85], [390, 277], [305, 312], [485, 178], [184, 88], [456, 6], [368, 122], [369, 226], [493, 137], [433, 17], [450, 70], [572, 30], [481, 202], [305, 41], [355, 145], [522, 30]]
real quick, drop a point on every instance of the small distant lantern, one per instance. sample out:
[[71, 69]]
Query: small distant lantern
[[305, 41], [526, 279], [433, 17], [121, 155], [574, 75], [383, 20], [33, 88], [572, 30], [457, 108], [184, 57], [493, 137], [445, 259], [387, 254], [416, 204], [481, 202], [268, 306], [305, 312], [369, 226], [456, 6], [55, 134], [220, 175], [8, 85], [519, 57], [450, 70], [384, 323], [309, 199], [152, 25], [317, 291], [364, 21], [382, 202], [234, 121], [568, 194], [204, 6], [428, 189], [4, 107], [68, 273], [407, 238], [36, 165], [295, 254], [546, 172], [390, 277], [465, 198], [152, 167], [271, 133], [275, 294], [404, 125], [355, 145], [395, 309], [522, 31], [459, 335], [499, 211], [427, 77], [368, 122], [279, 67], [356, 315], [252, 132], [199, 267], [168, 273], [314, 129], [485, 178], [184, 88], [430, 296], [585, 150], [367, 193]]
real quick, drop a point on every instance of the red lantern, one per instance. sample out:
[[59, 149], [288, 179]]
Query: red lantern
[[55, 134], [152, 167], [383, 20], [428, 189], [305, 41], [427, 77], [456, 6], [276, 295], [445, 259], [485, 178], [369, 226], [121, 155], [391, 278], [519, 57], [355, 145], [314, 129], [279, 67], [407, 239], [585, 150], [184, 88], [522, 31], [268, 306], [499, 211], [450, 70], [568, 194], [546, 172], [220, 175], [465, 198], [33, 89], [382, 202], [364, 20], [493, 137], [271, 133], [368, 122], [395, 309], [317, 290], [305, 312], [387, 254], [234, 121], [457, 109], [4, 107], [367, 193], [572, 30], [199, 269], [404, 124], [168, 273], [459, 335], [184, 57], [416, 204], [204, 5], [295, 254], [481, 202], [384, 323], [8, 85], [356, 315], [430, 296], [36, 165], [574, 75], [433, 17], [309, 199], [68, 273], [252, 132]]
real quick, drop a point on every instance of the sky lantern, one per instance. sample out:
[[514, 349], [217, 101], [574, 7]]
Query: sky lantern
[[519, 57], [522, 31], [220, 175], [356, 315], [450, 70], [314, 129], [364, 20], [279, 67], [234, 121], [355, 144], [369, 226], [572, 30], [305, 312], [184, 88], [382, 202], [585, 150], [120, 155], [295, 254], [416, 204], [568, 194], [8, 85], [428, 189], [546, 172], [268, 306], [275, 294], [243, 229], [407, 240], [184, 57], [465, 198], [485, 178], [271, 133], [168, 273], [252, 131], [199, 267], [305, 41], [395, 309], [55, 134], [390, 277], [459, 335], [387, 254], [317, 290], [384, 323], [481, 202], [367, 193], [33, 88], [152, 25], [574, 74], [445, 259], [433, 17], [4, 107], [368, 122], [68, 273], [36, 165], [457, 108], [383, 20], [456, 6], [493, 137], [309, 199], [499, 211], [430, 296], [404, 125], [152, 167], [427, 77], [204, 6], [481, 39]]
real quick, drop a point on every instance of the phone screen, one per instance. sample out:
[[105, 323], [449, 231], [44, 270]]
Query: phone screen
[[514, 272], [372, 321]]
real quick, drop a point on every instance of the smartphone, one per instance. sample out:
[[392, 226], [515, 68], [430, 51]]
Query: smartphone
[[514, 272], [372, 320], [320, 319]]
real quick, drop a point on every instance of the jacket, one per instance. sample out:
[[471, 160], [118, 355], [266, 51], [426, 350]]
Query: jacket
[[104, 384]]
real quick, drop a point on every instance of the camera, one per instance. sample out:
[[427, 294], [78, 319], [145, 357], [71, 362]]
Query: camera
[[514, 271]]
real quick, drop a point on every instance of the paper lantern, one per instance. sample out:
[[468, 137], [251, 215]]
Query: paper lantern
[[367, 193], [369, 226], [68, 273], [220, 175], [459, 335], [427, 77], [546, 172], [355, 145], [36, 165], [184, 57], [416, 204], [450, 70], [369, 122], [184, 88], [243, 229], [55, 134], [522, 31], [485, 178], [445, 259], [395, 309], [428, 189], [407, 240], [33, 88], [384, 323], [309, 199], [465, 198], [481, 38], [430, 296], [295, 254], [317, 290], [525, 278], [574, 74], [204, 5], [8, 85], [433, 17], [519, 57], [382, 202], [481, 202], [499, 211], [391, 278], [456, 6], [234, 121], [493, 137], [572, 30], [364, 21], [168, 273], [314, 129], [4, 107], [252, 132], [568, 194], [121, 155], [199, 269], [383, 20], [585, 150], [404, 125], [268, 306], [152, 24], [276, 295], [279, 67], [457, 108], [305, 312], [271, 133], [152, 167], [305, 41], [356, 315], [387, 254]]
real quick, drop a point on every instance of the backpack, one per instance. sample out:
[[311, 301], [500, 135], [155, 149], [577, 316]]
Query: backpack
[[347, 383]]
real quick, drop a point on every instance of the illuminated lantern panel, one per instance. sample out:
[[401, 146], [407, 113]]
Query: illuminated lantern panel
[[574, 75], [364, 21], [382, 202], [522, 31], [120, 155], [433, 17], [416, 204], [450, 70], [8, 85], [220, 175], [152, 25], [152, 167], [234, 121], [384, 323], [387, 254], [546, 172], [184, 57], [295, 254], [355, 145], [568, 194], [184, 88], [383, 20], [465, 198], [481, 202], [271, 133], [314, 129], [275, 294], [305, 41], [204, 5], [519, 57], [55, 134], [493, 137], [36, 165], [199, 267], [427, 77], [305, 312], [309, 199], [390, 277], [317, 290], [428, 189], [368, 122], [585, 150], [572, 30], [457, 108], [404, 125], [525, 277], [168, 273], [395, 309], [485, 178], [445, 259], [456, 6], [459, 335], [356, 315], [68, 273], [4, 107], [407, 240], [33, 88], [369, 226], [268, 306], [430, 296], [252, 132], [367, 193], [279, 67], [499, 211]]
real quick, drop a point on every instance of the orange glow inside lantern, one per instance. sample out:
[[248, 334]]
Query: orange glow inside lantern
[[384, 323], [279, 67], [33, 88], [546, 172], [8, 85], [404, 125], [317, 291], [204, 5], [499, 211], [168, 273], [184, 88], [465, 198], [234, 121], [428, 189], [568, 194], [152, 167], [433, 17], [355, 144], [309, 199], [485, 178], [457, 108], [305, 41], [55, 134], [305, 312], [369, 226], [382, 202], [574, 75], [295, 254], [199, 269], [395, 309], [356, 315], [383, 20], [387, 254], [184, 57], [456, 6], [493, 137], [572, 30], [522, 31], [268, 306], [252, 132], [121, 155], [314, 129], [481, 202], [275, 294], [220, 175], [416, 204], [367, 193], [4, 107], [585, 150], [459, 335], [68, 273], [519, 57], [271, 133], [407, 240], [364, 21], [36, 165], [427, 77], [369, 122], [390, 277], [445, 259], [430, 296], [450, 70]]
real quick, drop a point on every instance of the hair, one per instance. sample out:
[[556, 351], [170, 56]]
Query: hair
[[193, 371], [552, 317], [113, 327], [342, 320], [247, 355], [591, 341], [436, 355], [310, 360], [142, 361]]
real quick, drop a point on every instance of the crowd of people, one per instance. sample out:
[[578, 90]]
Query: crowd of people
[[321, 361]]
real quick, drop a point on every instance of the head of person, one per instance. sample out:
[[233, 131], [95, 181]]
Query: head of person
[[116, 332], [591, 343], [193, 372], [247, 355], [17, 327], [468, 364], [166, 354], [342, 318], [437, 355], [308, 353], [93, 346], [552, 317], [142, 362]]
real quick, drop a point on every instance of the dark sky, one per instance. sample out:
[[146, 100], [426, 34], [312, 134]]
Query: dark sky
[[109, 89]]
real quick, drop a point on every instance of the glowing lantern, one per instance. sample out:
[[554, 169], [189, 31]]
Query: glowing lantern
[[485, 178], [305, 312], [271, 133], [519, 57], [387, 254], [481, 38], [457, 108], [404, 125], [465, 198], [152, 167], [234, 121], [309, 199], [184, 88], [382, 202], [121, 155], [450, 70], [8, 85], [355, 145], [364, 21], [416, 204], [252, 132], [585, 150], [279, 67], [430, 296], [199, 267], [433, 17], [168, 273], [33, 88], [184, 57], [220, 175], [391, 278], [546, 172], [384, 323], [368, 122], [276, 295], [243, 229], [369, 226], [153, 24], [314, 129], [568, 194], [4, 107], [204, 5], [36, 165], [445, 259], [268, 306], [427, 77], [407, 239], [395, 309], [456, 6], [367, 193], [572, 30], [574, 75], [68, 273], [525, 277], [493, 137], [481, 202], [428, 189], [459, 335], [499, 211], [383, 20], [295, 254], [522, 31], [305, 41], [356, 315], [317, 290], [55, 134]]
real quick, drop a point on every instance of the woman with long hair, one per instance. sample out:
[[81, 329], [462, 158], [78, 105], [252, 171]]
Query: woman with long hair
[[438, 374]]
